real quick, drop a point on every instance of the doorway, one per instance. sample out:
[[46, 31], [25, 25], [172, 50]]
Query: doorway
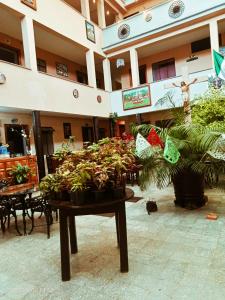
[[47, 140], [88, 134], [16, 138]]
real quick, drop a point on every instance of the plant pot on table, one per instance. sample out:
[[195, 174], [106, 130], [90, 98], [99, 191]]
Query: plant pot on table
[[80, 197], [61, 196], [100, 196], [118, 192]]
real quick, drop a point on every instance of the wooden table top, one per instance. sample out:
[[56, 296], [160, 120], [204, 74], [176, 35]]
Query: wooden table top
[[17, 189]]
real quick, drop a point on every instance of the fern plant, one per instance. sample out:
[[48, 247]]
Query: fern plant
[[197, 145]]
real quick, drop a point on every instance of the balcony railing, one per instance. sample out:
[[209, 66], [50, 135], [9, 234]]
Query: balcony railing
[[163, 95], [149, 22], [25, 89]]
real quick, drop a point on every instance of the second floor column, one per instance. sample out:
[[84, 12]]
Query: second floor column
[[90, 59], [29, 43], [85, 9], [107, 75], [101, 13], [214, 36], [134, 67]]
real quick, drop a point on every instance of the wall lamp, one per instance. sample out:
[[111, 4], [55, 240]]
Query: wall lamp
[[191, 58]]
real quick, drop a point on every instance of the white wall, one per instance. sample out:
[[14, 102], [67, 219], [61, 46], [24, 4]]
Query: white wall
[[158, 90], [29, 90]]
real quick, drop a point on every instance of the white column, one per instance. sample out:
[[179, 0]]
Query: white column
[[85, 8], [214, 37], [91, 68], [29, 43], [107, 75], [134, 67], [101, 13]]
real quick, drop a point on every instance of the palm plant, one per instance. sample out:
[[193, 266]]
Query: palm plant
[[202, 154]]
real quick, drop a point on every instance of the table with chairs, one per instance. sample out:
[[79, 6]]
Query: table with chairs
[[23, 198]]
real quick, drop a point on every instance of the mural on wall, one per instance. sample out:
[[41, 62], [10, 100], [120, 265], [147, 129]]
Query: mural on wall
[[136, 97], [90, 31], [30, 3]]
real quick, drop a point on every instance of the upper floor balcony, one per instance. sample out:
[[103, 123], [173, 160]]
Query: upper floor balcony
[[158, 19], [29, 90]]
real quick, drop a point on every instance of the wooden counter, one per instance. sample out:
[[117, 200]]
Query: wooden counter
[[6, 164]]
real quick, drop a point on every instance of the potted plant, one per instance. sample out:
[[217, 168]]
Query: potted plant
[[20, 174], [53, 187], [201, 155], [92, 174]]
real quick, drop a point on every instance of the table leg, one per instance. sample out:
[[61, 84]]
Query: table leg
[[32, 220], [123, 239], [24, 222], [64, 245], [117, 228], [73, 235]]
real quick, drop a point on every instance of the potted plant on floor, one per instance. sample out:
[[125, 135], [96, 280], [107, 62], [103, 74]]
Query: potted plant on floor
[[188, 154]]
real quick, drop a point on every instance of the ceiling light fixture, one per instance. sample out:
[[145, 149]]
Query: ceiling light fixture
[[107, 12]]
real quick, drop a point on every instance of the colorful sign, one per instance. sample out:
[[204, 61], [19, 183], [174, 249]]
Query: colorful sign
[[136, 98]]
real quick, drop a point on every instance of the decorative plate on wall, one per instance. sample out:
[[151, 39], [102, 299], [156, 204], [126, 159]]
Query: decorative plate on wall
[[99, 99], [75, 93], [148, 17], [176, 9], [123, 31]]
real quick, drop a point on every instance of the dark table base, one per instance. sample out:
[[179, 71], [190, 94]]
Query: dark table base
[[68, 238]]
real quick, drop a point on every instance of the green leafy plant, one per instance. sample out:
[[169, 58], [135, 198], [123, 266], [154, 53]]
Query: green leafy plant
[[209, 108], [96, 168], [196, 144], [20, 174]]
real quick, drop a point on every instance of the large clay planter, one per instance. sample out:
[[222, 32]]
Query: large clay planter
[[189, 189]]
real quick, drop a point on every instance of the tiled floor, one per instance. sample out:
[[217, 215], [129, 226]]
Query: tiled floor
[[173, 254]]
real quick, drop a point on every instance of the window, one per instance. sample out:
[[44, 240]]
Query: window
[[9, 54], [203, 44], [41, 65], [142, 74], [200, 45], [82, 77], [164, 69]]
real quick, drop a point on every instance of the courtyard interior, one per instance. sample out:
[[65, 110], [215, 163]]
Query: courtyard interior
[[173, 254]]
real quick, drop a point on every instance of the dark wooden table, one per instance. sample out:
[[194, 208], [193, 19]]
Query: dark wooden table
[[67, 213]]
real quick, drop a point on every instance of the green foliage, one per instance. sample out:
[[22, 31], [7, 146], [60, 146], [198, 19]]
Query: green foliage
[[193, 142], [209, 108], [96, 167], [20, 174]]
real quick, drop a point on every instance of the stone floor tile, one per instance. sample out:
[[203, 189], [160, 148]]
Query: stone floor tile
[[173, 254]]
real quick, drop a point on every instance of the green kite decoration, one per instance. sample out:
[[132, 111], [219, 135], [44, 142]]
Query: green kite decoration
[[171, 153]]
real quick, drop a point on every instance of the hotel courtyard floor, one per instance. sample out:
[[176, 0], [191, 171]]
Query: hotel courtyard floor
[[173, 254]]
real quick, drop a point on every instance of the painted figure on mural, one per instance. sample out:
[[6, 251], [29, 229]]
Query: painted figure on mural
[[186, 98]]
